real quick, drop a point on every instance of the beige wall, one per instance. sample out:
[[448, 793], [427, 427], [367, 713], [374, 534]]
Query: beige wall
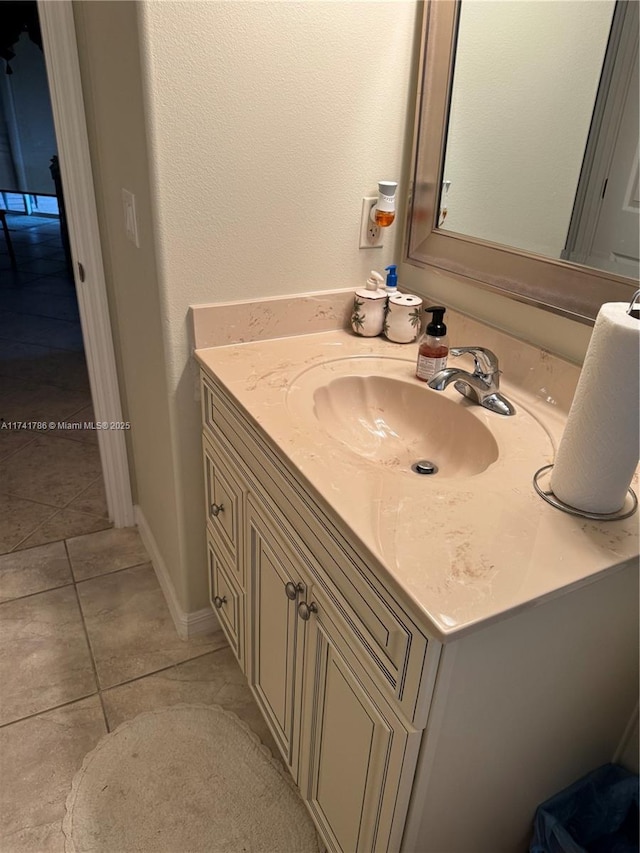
[[109, 61], [267, 123]]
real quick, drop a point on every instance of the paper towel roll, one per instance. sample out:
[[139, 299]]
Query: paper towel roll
[[598, 452]]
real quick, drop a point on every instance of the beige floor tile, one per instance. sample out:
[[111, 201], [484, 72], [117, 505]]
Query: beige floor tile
[[130, 629], [40, 364], [39, 758], [34, 570], [33, 402], [107, 551], [214, 679], [77, 431], [44, 658], [63, 524], [92, 501], [45, 838], [12, 440], [51, 470], [19, 518]]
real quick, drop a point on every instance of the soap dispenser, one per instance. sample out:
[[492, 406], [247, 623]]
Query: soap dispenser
[[433, 348], [391, 285], [369, 306]]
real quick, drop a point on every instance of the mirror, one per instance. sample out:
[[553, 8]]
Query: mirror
[[526, 152]]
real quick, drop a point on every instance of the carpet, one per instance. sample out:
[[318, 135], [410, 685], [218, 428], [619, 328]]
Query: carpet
[[185, 779]]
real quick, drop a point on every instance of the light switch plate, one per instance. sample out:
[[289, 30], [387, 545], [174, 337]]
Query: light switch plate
[[130, 220]]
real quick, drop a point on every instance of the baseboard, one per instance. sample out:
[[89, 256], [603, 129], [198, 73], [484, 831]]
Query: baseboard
[[187, 624]]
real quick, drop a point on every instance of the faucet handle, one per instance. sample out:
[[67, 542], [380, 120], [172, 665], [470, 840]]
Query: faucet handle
[[486, 361]]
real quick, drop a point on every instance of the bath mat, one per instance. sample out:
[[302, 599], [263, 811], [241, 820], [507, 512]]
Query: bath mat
[[185, 779]]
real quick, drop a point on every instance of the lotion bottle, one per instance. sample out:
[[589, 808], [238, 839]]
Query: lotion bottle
[[433, 348]]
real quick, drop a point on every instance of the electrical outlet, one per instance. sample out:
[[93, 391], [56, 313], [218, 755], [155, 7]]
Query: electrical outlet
[[370, 233]]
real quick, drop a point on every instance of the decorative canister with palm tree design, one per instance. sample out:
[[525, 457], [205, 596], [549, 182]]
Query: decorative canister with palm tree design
[[404, 318], [369, 307]]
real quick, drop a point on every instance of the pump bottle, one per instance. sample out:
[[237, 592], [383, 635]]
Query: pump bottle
[[391, 285], [432, 347]]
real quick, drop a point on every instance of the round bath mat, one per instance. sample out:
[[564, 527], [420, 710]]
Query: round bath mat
[[185, 779]]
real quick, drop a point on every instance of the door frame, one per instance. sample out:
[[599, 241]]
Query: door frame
[[63, 71], [620, 56]]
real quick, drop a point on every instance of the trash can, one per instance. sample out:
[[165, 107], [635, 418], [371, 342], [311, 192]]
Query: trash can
[[597, 814]]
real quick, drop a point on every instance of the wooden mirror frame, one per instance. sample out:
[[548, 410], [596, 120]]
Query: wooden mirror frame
[[565, 288]]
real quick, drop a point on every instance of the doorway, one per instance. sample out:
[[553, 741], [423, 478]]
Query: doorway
[[46, 383]]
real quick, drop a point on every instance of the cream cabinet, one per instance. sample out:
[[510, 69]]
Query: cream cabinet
[[278, 584], [356, 748], [315, 661], [341, 739], [395, 740]]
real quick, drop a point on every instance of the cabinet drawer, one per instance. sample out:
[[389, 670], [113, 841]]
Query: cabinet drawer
[[224, 507], [227, 601]]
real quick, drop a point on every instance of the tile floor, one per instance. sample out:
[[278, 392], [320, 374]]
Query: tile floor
[[86, 639], [50, 476], [87, 642]]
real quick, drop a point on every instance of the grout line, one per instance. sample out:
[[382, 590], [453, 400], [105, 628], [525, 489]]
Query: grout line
[[23, 313], [39, 592], [16, 548], [162, 669], [46, 710], [53, 507], [112, 571], [73, 581], [17, 450], [79, 495], [55, 511], [49, 349], [89, 647], [64, 437], [53, 319], [141, 677]]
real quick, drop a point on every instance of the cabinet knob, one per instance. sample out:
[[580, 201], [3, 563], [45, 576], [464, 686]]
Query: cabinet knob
[[305, 610], [291, 590], [216, 509], [220, 601]]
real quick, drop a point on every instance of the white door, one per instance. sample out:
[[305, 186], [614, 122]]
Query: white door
[[616, 241]]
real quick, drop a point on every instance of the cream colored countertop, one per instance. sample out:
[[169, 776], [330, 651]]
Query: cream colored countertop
[[466, 550]]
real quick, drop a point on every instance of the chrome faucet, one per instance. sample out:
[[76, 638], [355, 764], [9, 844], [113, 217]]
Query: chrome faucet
[[481, 386]]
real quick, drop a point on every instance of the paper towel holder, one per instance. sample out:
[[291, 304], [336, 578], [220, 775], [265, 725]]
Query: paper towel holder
[[550, 498]]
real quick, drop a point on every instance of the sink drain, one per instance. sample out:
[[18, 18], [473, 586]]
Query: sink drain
[[424, 466]]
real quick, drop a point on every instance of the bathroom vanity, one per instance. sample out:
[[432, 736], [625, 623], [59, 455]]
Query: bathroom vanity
[[435, 655]]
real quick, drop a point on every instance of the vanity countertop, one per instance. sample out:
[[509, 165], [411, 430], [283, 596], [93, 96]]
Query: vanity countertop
[[466, 550]]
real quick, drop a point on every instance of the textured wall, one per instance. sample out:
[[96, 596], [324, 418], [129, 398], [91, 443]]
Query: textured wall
[[109, 62], [267, 123], [525, 82]]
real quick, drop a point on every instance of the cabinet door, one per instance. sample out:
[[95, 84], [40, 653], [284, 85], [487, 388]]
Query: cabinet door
[[277, 635], [356, 753]]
